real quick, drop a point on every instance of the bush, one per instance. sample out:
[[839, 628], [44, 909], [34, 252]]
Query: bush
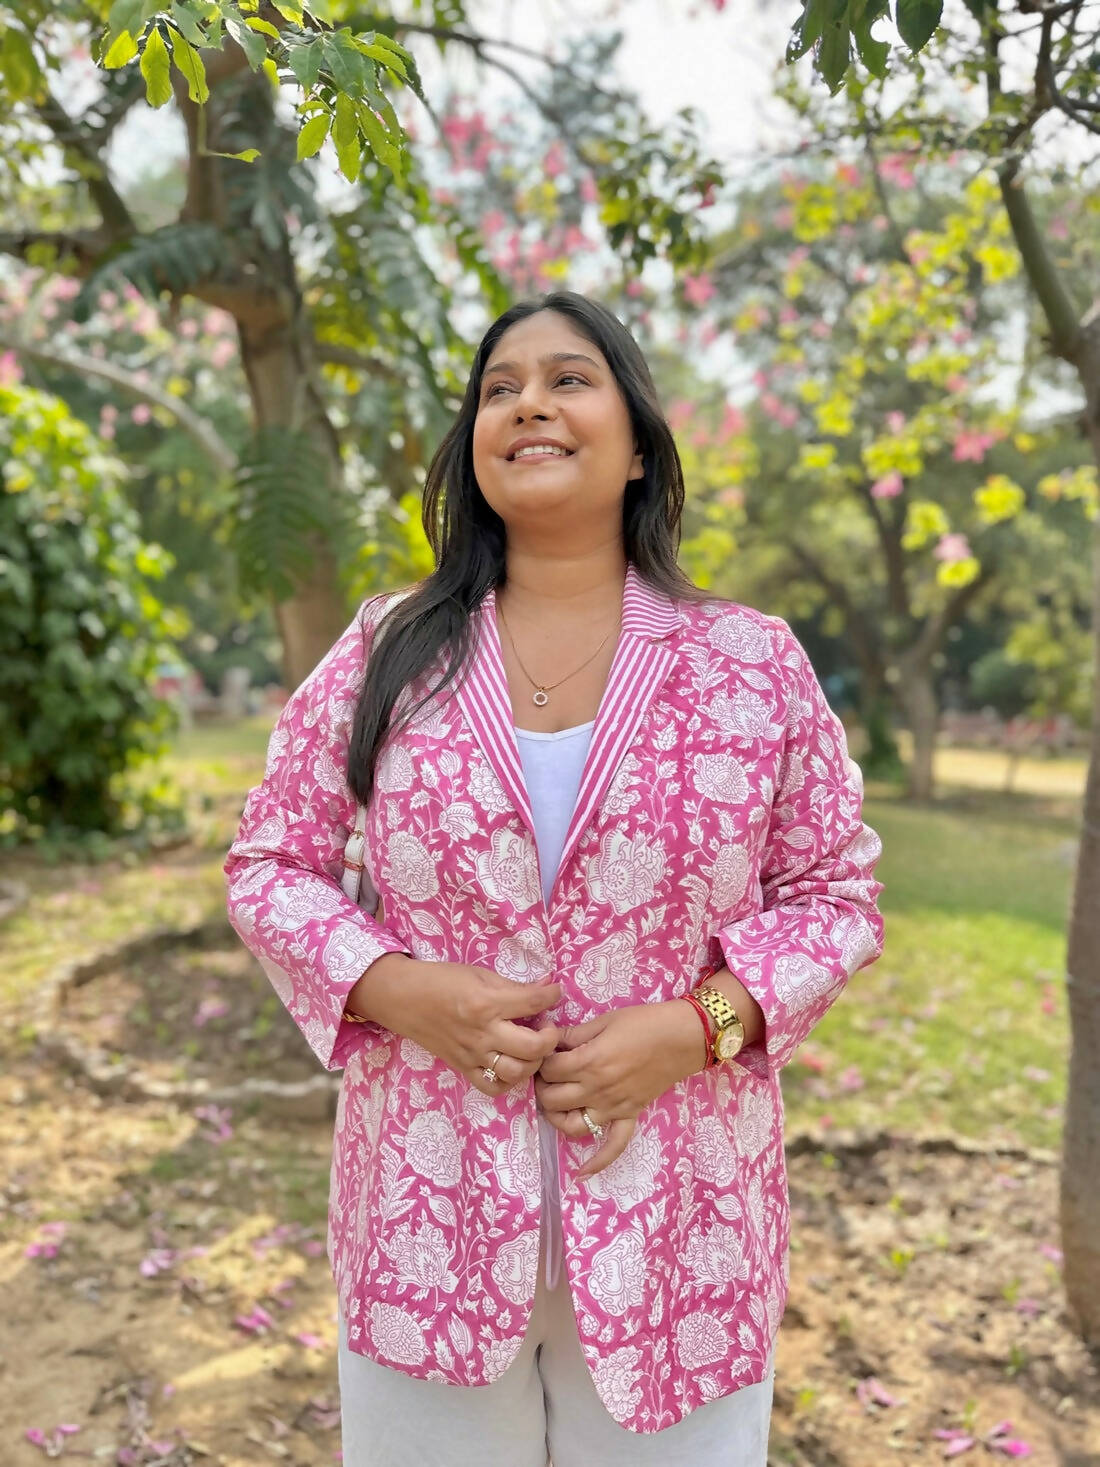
[[80, 635]]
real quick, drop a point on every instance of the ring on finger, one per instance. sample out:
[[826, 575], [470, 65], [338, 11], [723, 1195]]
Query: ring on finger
[[593, 1126], [490, 1069]]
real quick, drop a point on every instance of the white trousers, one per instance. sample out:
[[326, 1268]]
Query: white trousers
[[543, 1407]]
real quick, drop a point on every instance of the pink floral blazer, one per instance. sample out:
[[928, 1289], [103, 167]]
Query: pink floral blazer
[[718, 819]]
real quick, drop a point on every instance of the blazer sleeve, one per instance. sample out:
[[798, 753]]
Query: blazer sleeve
[[820, 920], [283, 870]]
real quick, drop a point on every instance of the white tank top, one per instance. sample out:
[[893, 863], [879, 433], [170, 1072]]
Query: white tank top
[[552, 767]]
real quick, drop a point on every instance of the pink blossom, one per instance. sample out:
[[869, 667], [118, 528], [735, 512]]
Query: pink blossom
[[850, 1079], [158, 1261], [848, 174], [788, 315], [10, 370], [1050, 1253], [479, 158], [1029, 1308], [553, 162], [1058, 228], [952, 548], [635, 288], [783, 218], [888, 487], [218, 1119], [222, 352], [895, 421], [492, 222], [873, 1391], [211, 1007], [141, 412], [310, 1341], [590, 193], [257, 1321], [972, 446], [798, 257], [698, 289], [108, 301], [65, 288], [733, 421], [707, 333], [48, 1242], [956, 382], [895, 169], [821, 329], [707, 198], [680, 413]]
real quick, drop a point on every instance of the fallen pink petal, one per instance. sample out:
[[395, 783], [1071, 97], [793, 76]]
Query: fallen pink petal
[[310, 1341]]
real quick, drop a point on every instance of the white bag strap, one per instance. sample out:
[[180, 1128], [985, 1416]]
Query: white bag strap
[[356, 879]]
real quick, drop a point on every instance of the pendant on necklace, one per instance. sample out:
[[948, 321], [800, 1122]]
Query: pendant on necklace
[[539, 699]]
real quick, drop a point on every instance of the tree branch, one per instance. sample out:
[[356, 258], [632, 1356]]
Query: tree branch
[[194, 424], [331, 354], [85, 245], [1063, 317], [77, 145], [861, 628], [936, 627]]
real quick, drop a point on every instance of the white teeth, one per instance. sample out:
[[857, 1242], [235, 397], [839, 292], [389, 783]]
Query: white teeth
[[540, 448]]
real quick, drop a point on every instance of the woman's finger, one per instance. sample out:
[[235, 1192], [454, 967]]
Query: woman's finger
[[617, 1136], [571, 1095]]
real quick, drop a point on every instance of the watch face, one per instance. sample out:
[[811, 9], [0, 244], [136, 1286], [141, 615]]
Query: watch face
[[730, 1041]]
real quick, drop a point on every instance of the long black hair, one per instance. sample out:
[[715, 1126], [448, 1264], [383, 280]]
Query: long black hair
[[468, 537]]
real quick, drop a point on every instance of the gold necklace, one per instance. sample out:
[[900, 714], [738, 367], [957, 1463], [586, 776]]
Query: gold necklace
[[539, 697]]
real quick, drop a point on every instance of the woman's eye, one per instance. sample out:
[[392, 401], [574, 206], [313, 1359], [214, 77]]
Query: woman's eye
[[565, 377]]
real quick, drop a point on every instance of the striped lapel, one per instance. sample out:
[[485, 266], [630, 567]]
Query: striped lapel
[[643, 659]]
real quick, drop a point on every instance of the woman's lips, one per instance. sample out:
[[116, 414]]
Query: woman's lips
[[538, 458]]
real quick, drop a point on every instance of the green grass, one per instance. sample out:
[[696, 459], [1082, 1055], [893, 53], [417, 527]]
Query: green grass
[[960, 1026]]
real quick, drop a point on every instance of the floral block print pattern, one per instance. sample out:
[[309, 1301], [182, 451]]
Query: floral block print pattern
[[718, 819]]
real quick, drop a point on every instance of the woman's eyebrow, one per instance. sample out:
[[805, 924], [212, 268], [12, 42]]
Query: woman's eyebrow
[[554, 356]]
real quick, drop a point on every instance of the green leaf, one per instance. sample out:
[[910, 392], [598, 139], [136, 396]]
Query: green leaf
[[312, 136], [250, 43], [873, 53], [156, 68], [387, 57], [344, 62], [834, 50], [304, 60], [293, 13], [350, 159], [916, 20], [346, 127], [247, 155], [122, 50], [185, 20], [125, 15], [254, 23], [19, 66], [190, 66], [806, 30], [381, 145]]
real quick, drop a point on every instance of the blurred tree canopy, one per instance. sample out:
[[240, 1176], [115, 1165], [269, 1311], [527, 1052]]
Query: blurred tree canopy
[[326, 293]]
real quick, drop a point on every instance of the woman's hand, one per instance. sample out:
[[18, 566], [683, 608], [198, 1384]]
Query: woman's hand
[[613, 1066], [462, 1014]]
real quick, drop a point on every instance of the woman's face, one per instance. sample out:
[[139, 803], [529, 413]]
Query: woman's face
[[543, 380]]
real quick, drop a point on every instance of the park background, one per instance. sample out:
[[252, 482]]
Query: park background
[[220, 383]]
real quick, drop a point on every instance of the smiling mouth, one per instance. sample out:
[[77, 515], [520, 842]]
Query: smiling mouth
[[539, 458]]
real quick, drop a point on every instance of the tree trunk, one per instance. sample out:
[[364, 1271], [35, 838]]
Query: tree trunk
[[881, 758], [276, 362], [916, 692], [1080, 1193]]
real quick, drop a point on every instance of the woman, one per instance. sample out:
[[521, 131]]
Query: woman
[[617, 840]]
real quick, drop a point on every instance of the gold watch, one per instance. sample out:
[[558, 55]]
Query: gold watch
[[729, 1036]]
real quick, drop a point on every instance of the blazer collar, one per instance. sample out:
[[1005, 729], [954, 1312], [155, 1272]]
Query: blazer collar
[[644, 656]]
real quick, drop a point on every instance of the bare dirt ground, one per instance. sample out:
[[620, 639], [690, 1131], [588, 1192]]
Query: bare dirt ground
[[165, 1288]]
